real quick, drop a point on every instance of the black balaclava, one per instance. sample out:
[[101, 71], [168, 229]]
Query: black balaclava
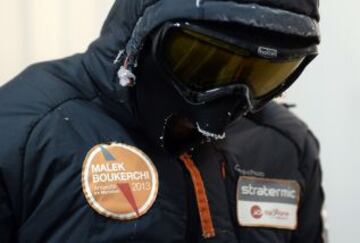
[[168, 120]]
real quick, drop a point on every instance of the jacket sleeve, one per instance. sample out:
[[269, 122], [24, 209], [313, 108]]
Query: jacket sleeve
[[7, 223], [18, 114], [310, 226]]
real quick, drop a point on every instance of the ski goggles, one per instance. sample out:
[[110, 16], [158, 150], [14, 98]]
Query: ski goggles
[[205, 64]]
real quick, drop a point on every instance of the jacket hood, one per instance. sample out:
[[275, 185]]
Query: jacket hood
[[130, 21]]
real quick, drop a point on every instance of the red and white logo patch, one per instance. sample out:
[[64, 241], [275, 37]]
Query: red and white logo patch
[[269, 203], [119, 181]]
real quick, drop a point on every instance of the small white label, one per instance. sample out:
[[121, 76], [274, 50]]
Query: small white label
[[267, 52], [267, 202]]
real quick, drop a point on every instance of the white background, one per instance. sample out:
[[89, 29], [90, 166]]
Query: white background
[[327, 95]]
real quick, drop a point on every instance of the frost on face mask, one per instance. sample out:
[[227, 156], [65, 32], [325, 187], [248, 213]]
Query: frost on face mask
[[165, 125], [210, 135]]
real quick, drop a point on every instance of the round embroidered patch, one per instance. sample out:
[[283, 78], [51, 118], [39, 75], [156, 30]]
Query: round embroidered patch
[[119, 181]]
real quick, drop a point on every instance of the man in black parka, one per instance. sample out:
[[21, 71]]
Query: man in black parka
[[103, 147]]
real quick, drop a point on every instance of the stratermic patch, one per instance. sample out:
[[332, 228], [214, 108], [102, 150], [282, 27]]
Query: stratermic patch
[[268, 203], [119, 181]]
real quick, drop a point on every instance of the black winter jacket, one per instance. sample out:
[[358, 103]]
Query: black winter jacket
[[54, 113]]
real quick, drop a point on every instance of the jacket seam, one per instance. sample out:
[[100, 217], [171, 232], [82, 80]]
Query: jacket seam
[[51, 110]]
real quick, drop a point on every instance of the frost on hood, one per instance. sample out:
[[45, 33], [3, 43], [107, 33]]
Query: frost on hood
[[126, 77]]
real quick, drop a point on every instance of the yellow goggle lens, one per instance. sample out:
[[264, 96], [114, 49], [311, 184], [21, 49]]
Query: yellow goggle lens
[[202, 63]]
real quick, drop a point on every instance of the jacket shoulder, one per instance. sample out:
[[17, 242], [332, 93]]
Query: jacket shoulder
[[273, 120], [36, 91], [283, 121]]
